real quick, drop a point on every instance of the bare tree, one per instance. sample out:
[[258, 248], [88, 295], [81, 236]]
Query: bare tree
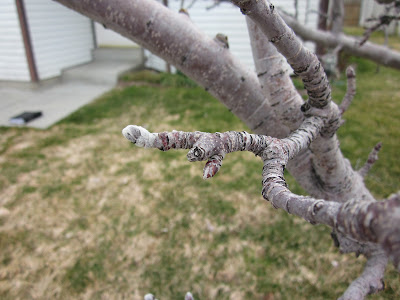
[[289, 133]]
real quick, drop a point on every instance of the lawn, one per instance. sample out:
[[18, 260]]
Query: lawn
[[90, 216]]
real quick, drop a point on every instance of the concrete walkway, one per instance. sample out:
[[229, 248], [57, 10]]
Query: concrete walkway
[[57, 98]]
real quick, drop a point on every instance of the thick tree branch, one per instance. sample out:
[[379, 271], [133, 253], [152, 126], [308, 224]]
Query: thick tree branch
[[304, 62], [176, 39], [273, 74], [274, 77], [333, 172]]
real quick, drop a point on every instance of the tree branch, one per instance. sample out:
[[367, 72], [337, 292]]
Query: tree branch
[[333, 172], [304, 62], [383, 20], [364, 221], [274, 77], [372, 158], [350, 92], [177, 40], [379, 54], [371, 280]]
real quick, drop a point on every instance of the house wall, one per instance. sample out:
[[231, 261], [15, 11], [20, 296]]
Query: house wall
[[227, 19], [108, 38], [13, 63], [61, 38]]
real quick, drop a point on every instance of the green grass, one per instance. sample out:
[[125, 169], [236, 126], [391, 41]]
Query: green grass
[[92, 216]]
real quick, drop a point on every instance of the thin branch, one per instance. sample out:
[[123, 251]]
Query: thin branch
[[382, 21], [385, 1], [191, 4], [351, 90], [215, 4], [371, 280], [203, 146], [372, 158]]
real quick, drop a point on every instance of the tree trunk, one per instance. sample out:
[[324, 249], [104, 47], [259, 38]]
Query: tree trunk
[[322, 23]]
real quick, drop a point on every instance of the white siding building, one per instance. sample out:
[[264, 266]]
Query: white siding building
[[108, 38], [40, 38], [227, 19], [13, 63]]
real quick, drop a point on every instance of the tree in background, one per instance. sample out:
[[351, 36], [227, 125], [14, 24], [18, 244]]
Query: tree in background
[[288, 132], [336, 40]]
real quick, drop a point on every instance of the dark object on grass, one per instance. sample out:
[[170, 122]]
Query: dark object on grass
[[25, 117]]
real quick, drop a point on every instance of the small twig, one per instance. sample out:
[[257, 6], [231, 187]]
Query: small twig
[[371, 280], [351, 90], [214, 5], [382, 21], [191, 4], [314, 11], [372, 158]]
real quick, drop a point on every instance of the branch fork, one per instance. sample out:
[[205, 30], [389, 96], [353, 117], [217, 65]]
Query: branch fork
[[364, 221]]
